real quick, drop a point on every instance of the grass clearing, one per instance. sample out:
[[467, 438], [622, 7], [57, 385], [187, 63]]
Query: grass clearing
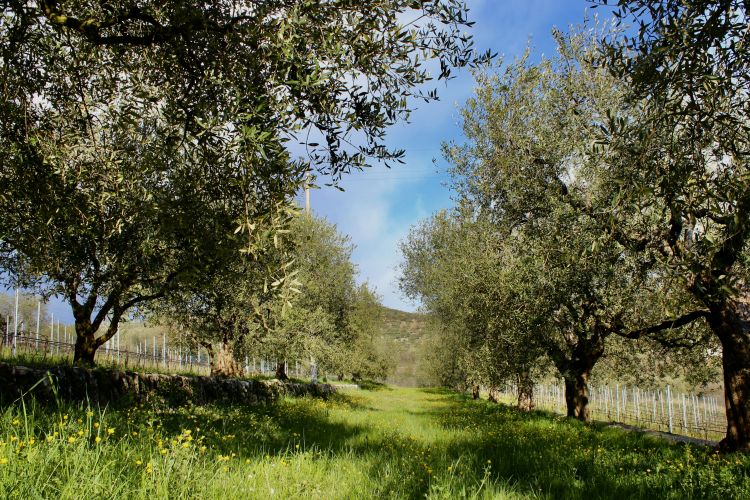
[[390, 442]]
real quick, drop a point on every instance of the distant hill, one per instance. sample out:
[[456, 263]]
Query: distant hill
[[401, 333]]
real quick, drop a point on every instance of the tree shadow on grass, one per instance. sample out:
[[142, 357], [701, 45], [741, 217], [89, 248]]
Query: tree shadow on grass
[[556, 457], [478, 448], [264, 429], [459, 447], [371, 385]]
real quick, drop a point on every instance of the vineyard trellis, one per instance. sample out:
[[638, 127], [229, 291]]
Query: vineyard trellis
[[154, 355], [695, 415]]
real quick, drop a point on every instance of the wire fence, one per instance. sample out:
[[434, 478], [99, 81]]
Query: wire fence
[[156, 355], [700, 416]]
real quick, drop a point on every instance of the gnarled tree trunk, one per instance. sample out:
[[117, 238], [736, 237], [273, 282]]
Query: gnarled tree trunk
[[575, 369], [223, 363], [87, 342], [281, 371], [525, 392], [494, 395], [475, 392], [85, 346], [731, 324], [577, 395]]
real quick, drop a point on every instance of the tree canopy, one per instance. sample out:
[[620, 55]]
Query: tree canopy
[[119, 119], [679, 171]]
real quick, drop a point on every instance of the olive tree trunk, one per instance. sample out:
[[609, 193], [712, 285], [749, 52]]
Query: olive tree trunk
[[731, 324], [87, 342], [494, 395], [223, 363], [525, 392], [85, 346], [281, 371], [475, 392], [577, 395]]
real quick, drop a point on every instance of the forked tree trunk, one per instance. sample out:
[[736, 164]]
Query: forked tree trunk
[[86, 340], [732, 326], [475, 392], [525, 392], [576, 371], [577, 395], [281, 371], [223, 363]]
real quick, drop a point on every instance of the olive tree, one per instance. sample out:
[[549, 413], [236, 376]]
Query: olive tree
[[235, 298], [528, 174], [679, 166], [331, 320], [453, 267], [112, 115]]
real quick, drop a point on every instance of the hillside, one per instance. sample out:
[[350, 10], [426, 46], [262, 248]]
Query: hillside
[[401, 333]]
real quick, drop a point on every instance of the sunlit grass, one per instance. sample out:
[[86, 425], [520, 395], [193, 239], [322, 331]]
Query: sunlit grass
[[404, 443]]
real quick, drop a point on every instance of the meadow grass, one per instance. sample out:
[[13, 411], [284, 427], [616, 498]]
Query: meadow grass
[[386, 443]]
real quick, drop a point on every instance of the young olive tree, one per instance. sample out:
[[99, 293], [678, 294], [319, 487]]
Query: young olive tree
[[332, 320], [235, 298], [451, 266]]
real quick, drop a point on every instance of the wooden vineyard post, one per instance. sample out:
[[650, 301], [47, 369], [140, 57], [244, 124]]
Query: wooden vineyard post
[[669, 409], [617, 396], [684, 414], [38, 316], [15, 325]]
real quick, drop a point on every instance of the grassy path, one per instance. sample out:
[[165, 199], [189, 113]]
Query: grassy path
[[388, 443]]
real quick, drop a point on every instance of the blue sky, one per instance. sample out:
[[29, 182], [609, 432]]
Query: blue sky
[[379, 206]]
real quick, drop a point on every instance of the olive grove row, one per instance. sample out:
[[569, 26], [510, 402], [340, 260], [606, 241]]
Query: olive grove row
[[602, 197]]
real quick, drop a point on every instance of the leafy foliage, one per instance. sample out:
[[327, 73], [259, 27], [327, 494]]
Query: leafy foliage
[[679, 169]]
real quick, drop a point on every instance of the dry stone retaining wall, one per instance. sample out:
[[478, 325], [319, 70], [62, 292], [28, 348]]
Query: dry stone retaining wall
[[107, 387]]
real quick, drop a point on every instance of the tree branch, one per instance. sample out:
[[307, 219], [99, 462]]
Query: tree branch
[[666, 325], [91, 28]]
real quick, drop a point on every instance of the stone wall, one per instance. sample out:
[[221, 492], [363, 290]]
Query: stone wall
[[113, 387]]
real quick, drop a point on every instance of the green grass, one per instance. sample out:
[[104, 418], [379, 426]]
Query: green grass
[[391, 442]]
